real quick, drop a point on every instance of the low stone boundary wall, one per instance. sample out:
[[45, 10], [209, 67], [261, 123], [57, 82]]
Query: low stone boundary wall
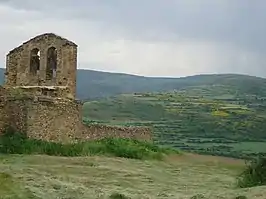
[[97, 131]]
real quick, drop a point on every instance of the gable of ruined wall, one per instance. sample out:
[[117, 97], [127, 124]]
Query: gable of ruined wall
[[12, 64], [18, 63]]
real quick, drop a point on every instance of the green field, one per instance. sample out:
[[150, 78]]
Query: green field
[[182, 176], [210, 119], [116, 168]]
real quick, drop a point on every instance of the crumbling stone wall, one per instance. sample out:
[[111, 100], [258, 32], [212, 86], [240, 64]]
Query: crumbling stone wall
[[63, 123], [38, 97], [54, 120], [4, 117], [13, 112], [60, 120], [98, 131], [25, 67]]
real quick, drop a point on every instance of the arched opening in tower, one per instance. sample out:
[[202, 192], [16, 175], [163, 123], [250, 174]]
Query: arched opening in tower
[[51, 65], [34, 61]]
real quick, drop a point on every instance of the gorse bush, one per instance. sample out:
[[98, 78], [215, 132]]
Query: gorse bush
[[16, 143], [254, 174]]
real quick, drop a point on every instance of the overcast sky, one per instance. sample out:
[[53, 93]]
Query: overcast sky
[[147, 37]]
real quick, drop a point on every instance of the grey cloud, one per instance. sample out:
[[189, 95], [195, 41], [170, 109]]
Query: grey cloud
[[240, 22]]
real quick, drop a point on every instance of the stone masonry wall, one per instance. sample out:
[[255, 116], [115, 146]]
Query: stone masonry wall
[[98, 131], [18, 63], [4, 118], [13, 112], [61, 121], [64, 123], [54, 120], [49, 91]]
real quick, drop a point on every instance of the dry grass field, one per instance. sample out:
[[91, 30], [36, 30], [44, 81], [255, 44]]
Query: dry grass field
[[178, 176]]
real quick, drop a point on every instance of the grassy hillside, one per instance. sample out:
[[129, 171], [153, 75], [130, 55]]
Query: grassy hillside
[[94, 84], [41, 177], [117, 169], [226, 119]]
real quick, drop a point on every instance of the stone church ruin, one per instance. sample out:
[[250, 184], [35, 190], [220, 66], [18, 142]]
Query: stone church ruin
[[38, 96]]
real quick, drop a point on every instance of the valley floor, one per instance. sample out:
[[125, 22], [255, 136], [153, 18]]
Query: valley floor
[[94, 177]]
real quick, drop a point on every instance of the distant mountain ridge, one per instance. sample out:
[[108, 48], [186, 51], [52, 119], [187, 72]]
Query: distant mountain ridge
[[95, 84]]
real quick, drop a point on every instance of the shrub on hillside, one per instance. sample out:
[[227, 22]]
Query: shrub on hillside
[[241, 197], [198, 196], [16, 143], [254, 174], [118, 196]]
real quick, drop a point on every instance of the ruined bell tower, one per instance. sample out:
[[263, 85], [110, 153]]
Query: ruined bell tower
[[38, 97], [44, 65]]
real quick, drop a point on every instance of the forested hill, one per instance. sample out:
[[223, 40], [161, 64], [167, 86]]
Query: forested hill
[[94, 84]]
